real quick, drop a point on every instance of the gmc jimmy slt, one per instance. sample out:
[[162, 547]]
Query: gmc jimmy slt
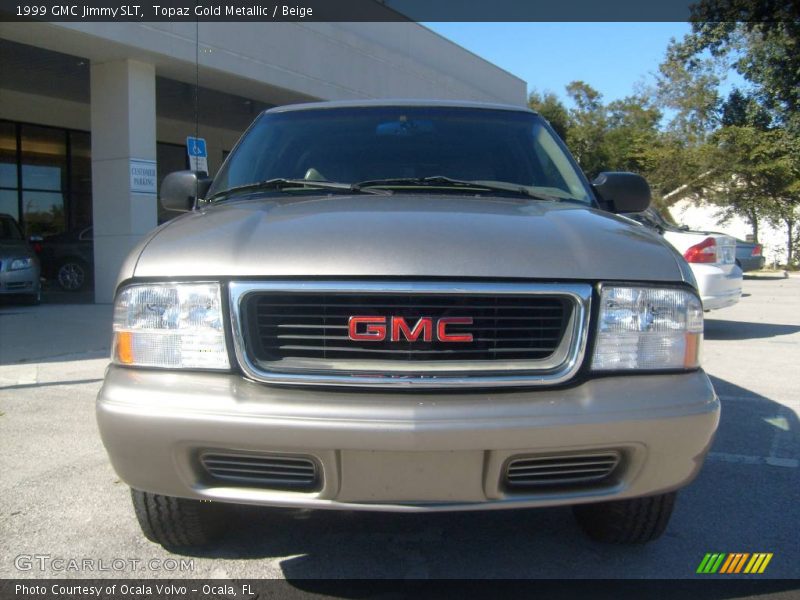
[[405, 306]]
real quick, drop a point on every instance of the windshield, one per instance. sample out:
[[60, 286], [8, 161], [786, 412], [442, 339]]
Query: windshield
[[9, 229], [378, 144]]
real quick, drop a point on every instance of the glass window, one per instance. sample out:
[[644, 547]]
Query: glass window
[[56, 177], [405, 142], [44, 158], [8, 173], [9, 196], [9, 203], [80, 190], [79, 212], [44, 212], [9, 229], [80, 154], [8, 155], [44, 179]]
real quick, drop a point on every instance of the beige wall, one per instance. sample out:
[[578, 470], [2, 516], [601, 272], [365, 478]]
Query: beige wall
[[43, 110], [288, 62]]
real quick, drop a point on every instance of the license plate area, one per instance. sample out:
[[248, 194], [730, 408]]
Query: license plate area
[[727, 255], [380, 476]]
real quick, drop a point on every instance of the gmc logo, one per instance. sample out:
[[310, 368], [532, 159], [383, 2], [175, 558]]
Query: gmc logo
[[374, 329]]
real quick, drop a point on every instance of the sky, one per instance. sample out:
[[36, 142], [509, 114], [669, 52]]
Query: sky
[[611, 57]]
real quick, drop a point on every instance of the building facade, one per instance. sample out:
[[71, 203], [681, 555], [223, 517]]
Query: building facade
[[83, 104]]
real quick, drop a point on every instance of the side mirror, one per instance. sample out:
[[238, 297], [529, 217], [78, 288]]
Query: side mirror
[[181, 190], [623, 192]]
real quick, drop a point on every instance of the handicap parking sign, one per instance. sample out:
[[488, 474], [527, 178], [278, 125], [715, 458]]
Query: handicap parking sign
[[198, 155]]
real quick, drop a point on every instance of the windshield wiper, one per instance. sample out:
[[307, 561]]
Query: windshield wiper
[[280, 183], [438, 180]]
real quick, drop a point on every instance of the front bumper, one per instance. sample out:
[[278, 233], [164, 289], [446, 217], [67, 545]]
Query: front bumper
[[751, 263], [403, 451], [22, 281]]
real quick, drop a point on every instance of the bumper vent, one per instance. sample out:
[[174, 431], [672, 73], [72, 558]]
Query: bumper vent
[[523, 473], [269, 471]]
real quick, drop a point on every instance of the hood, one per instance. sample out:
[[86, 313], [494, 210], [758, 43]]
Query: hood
[[408, 236]]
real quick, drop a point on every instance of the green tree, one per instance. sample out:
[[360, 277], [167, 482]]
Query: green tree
[[551, 108], [587, 128], [623, 135], [742, 109], [632, 137], [741, 186], [761, 40], [688, 87], [785, 187], [758, 143]]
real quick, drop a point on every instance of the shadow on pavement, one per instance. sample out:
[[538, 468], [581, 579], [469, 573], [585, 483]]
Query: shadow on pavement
[[54, 333], [738, 481], [48, 297], [716, 329], [775, 277], [554, 589]]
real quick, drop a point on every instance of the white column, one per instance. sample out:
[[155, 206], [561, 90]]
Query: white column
[[123, 116]]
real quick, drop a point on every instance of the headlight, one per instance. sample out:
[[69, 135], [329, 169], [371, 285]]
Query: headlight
[[21, 263], [648, 329], [173, 325]]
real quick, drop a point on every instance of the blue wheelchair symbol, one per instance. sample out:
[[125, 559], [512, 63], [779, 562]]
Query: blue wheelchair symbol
[[196, 147]]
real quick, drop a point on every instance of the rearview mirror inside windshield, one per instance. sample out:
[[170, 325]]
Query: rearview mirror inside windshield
[[405, 127]]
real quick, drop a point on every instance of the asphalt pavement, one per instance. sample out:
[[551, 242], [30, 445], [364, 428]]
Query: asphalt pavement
[[60, 498]]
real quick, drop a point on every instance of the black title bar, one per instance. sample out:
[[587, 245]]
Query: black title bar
[[344, 10]]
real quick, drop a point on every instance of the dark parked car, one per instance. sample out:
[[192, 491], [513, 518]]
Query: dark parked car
[[68, 259], [749, 256]]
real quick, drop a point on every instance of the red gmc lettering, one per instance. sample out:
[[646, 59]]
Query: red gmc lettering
[[441, 329], [376, 329], [424, 326]]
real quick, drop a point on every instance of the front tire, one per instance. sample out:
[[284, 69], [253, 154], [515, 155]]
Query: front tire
[[633, 521], [177, 522]]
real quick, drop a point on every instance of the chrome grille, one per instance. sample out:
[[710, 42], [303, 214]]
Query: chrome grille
[[570, 469], [273, 471], [283, 326], [522, 334]]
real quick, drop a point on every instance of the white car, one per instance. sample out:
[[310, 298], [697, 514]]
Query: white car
[[712, 257]]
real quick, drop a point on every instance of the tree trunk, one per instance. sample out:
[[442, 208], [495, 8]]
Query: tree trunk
[[753, 218], [790, 237]]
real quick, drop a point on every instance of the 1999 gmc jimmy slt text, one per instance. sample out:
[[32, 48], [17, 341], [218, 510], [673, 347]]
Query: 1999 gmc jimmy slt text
[[405, 306]]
